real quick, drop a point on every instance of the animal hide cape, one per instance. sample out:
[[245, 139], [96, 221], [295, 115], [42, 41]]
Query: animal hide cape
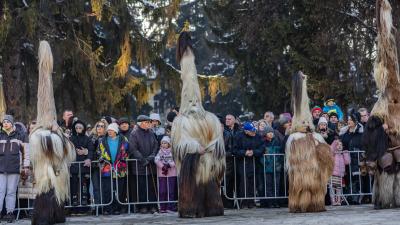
[[309, 162], [194, 130], [386, 190], [51, 151]]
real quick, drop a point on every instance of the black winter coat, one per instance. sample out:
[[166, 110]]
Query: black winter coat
[[81, 141], [143, 146], [248, 165]]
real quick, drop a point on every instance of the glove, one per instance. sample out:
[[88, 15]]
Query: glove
[[164, 170]]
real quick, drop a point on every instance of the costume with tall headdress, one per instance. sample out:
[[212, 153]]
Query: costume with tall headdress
[[197, 144], [51, 151], [383, 145], [309, 163]]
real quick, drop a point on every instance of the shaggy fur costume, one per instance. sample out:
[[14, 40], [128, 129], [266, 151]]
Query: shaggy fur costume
[[309, 162], [51, 151], [194, 130], [380, 144]]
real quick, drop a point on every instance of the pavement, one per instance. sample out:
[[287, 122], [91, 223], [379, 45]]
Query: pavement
[[349, 215]]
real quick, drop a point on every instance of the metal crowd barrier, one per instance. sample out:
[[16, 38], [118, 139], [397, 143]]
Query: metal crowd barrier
[[94, 170], [134, 195], [259, 178], [264, 178]]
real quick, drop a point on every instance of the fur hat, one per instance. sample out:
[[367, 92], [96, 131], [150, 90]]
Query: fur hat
[[322, 120], [114, 127], [9, 118], [166, 139]]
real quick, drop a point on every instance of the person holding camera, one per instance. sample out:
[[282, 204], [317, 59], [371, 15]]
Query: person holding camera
[[323, 129]]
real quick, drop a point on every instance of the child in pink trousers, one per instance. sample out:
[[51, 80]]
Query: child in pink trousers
[[167, 178], [342, 158]]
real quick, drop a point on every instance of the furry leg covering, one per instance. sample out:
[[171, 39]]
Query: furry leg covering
[[386, 193], [197, 199], [46, 210], [311, 166]]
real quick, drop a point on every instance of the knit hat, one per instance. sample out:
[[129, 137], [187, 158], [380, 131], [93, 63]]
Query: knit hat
[[114, 127], [9, 118], [142, 118], [283, 120], [329, 99], [269, 129], [155, 116], [322, 120], [332, 113], [249, 127], [316, 108], [166, 139], [123, 120]]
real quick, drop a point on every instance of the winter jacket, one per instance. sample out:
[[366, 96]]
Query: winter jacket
[[12, 152], [229, 139], [126, 133], [352, 141], [164, 157], [341, 160], [334, 108], [248, 165], [143, 146], [81, 141], [118, 168], [273, 147]]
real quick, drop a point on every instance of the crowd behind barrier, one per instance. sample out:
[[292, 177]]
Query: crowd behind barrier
[[126, 166]]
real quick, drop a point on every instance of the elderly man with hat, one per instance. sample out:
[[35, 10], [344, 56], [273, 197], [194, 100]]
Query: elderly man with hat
[[13, 152], [143, 147], [249, 148]]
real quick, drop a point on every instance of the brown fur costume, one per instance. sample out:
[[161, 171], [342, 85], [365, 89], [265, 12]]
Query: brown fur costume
[[380, 144], [51, 151], [195, 130], [309, 162]]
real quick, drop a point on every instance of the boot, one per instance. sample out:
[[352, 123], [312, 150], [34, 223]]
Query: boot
[[75, 200], [10, 217]]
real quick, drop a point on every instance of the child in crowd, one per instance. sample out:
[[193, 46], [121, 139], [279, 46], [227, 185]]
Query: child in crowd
[[342, 158], [167, 177], [330, 106]]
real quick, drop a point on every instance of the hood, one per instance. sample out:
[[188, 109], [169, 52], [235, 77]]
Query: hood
[[73, 127]]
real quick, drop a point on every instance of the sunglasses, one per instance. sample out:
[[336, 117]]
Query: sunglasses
[[100, 126], [78, 127]]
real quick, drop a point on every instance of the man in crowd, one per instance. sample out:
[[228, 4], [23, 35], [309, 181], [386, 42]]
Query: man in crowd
[[143, 147], [333, 121], [364, 114], [230, 131], [66, 122], [316, 114], [124, 127]]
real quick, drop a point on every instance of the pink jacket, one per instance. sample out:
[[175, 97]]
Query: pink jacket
[[342, 158], [164, 156]]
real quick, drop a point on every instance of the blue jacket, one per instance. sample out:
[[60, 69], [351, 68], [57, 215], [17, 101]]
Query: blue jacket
[[335, 108]]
